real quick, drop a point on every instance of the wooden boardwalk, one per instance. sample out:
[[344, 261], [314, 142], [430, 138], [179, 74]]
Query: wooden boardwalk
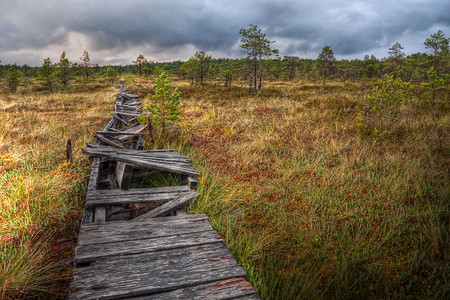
[[138, 242]]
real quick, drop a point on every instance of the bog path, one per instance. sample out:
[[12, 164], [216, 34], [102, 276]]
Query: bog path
[[137, 241]]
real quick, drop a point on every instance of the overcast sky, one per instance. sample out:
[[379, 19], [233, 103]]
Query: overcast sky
[[115, 32]]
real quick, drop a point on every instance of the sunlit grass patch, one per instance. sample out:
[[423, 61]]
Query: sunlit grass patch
[[41, 195], [313, 209]]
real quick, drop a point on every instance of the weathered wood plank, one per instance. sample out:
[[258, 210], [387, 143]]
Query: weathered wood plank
[[123, 173], [127, 114], [110, 124], [133, 130], [121, 231], [88, 213], [169, 156], [97, 251], [93, 178], [155, 166], [106, 148], [108, 141], [133, 199], [149, 273], [227, 289], [170, 206], [99, 214], [140, 191], [114, 133], [129, 96], [118, 118], [163, 160]]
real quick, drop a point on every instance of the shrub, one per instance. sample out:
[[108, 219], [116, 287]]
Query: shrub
[[382, 108], [434, 86], [12, 77], [164, 106]]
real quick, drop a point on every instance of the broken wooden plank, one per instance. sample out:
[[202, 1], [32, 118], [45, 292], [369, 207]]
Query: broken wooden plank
[[127, 114], [133, 130], [123, 173], [88, 213], [159, 151], [108, 141], [128, 106], [124, 121], [156, 157], [155, 166], [162, 159], [141, 191], [129, 96], [114, 133], [169, 207], [234, 288], [144, 245], [121, 231], [93, 178], [110, 124], [133, 199], [150, 273]]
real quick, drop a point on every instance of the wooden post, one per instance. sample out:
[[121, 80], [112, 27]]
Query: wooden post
[[69, 157], [192, 183], [123, 173]]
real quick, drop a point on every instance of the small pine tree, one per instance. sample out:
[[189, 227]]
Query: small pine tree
[[63, 71], [165, 104], [382, 109], [111, 74], [86, 63], [434, 84], [46, 74], [12, 78]]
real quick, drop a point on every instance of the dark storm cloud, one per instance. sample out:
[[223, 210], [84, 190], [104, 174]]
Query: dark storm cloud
[[299, 27]]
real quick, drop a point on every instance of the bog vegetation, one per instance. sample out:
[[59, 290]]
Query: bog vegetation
[[326, 178]]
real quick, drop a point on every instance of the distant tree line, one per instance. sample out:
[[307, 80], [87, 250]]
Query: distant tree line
[[261, 61]]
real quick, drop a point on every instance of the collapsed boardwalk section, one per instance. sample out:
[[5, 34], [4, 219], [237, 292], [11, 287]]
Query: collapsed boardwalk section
[[137, 242]]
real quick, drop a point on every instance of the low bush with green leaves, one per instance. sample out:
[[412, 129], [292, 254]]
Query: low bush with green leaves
[[163, 109], [381, 111]]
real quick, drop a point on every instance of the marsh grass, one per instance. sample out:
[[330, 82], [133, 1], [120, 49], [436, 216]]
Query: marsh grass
[[41, 196], [310, 206]]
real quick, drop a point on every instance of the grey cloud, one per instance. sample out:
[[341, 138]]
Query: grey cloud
[[349, 27]]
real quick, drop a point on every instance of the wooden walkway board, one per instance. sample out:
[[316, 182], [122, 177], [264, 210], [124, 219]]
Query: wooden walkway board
[[120, 231], [147, 195], [95, 252], [227, 289], [168, 257]]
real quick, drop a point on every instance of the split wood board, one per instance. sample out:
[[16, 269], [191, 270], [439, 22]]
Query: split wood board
[[120, 231], [170, 206], [91, 145], [151, 164], [144, 195], [131, 199], [155, 272], [94, 252], [96, 150], [144, 191], [235, 288]]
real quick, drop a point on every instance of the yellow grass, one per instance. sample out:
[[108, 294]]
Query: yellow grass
[[41, 194]]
